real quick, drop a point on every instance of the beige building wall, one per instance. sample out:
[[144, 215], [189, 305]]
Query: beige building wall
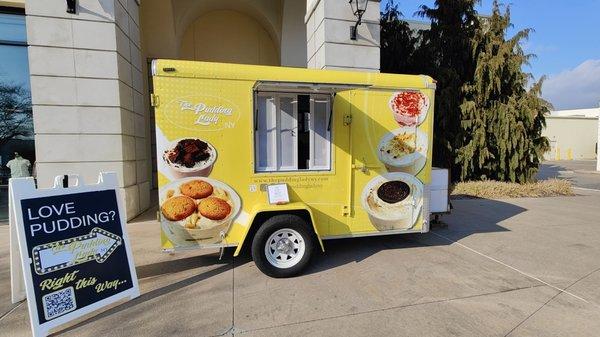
[[13, 3], [252, 32], [328, 36], [228, 36], [571, 138], [88, 94], [269, 32], [89, 71], [293, 34]]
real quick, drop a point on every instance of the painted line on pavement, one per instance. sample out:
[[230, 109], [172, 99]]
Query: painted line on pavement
[[397, 307], [11, 310], [585, 189], [513, 268]]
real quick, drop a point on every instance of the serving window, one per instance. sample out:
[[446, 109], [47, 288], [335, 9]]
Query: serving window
[[292, 132]]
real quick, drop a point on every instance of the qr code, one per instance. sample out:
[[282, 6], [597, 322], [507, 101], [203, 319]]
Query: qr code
[[59, 303]]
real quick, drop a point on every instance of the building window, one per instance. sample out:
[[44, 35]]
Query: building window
[[16, 120], [292, 132]]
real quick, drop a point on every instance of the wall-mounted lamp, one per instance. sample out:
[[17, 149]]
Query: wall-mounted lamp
[[359, 7], [72, 6]]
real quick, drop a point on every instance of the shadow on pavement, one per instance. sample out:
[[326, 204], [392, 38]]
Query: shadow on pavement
[[550, 171], [148, 215], [167, 267], [469, 217], [151, 295], [183, 264]]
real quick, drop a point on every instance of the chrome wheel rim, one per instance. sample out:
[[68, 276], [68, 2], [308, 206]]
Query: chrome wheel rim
[[284, 248]]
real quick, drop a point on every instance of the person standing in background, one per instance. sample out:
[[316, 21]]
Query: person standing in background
[[19, 166]]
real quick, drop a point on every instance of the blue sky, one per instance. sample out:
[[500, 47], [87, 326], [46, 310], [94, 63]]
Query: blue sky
[[566, 41]]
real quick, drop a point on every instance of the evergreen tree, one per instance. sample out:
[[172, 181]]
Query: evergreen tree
[[447, 48], [501, 121], [398, 42]]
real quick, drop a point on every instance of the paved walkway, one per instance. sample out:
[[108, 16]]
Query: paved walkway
[[582, 173], [526, 267]]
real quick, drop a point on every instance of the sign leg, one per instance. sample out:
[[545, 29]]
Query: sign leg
[[17, 282]]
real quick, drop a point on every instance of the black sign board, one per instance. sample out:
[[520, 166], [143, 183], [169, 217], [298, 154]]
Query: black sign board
[[75, 251]]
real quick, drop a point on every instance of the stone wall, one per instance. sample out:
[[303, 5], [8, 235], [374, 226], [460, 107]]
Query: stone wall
[[328, 36], [87, 87]]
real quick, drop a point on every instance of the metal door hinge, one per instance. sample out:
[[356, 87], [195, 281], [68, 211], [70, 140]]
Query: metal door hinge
[[345, 210], [154, 101]]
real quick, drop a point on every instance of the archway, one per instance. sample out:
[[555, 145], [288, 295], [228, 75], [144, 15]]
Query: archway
[[228, 36]]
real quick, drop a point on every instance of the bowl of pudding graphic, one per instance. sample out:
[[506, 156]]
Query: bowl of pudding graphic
[[393, 200], [190, 157], [197, 210], [403, 150]]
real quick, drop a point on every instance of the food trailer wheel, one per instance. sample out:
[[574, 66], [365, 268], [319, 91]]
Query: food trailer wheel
[[282, 246]]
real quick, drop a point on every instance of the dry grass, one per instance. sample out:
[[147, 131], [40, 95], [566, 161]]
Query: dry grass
[[500, 190]]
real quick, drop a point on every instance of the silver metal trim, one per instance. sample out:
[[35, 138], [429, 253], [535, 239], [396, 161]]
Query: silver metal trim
[[359, 235], [308, 87], [201, 246], [429, 82], [425, 210], [153, 67]]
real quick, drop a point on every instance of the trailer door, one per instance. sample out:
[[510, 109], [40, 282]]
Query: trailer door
[[387, 197]]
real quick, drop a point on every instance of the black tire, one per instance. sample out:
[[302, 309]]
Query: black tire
[[272, 225]]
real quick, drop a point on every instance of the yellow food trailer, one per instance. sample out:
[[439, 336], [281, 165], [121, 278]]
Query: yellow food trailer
[[279, 159]]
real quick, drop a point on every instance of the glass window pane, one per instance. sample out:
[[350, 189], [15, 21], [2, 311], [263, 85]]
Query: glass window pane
[[14, 65], [288, 132], [12, 28], [16, 131], [321, 144], [265, 134]]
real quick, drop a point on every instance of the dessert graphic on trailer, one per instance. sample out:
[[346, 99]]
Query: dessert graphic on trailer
[[195, 209], [198, 210], [409, 108], [394, 200], [190, 157]]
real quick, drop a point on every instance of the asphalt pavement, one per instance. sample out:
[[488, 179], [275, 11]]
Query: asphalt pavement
[[582, 173], [517, 267]]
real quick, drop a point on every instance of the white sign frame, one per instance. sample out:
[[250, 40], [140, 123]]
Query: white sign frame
[[278, 194], [24, 188]]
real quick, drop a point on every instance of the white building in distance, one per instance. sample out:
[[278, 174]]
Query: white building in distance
[[573, 134]]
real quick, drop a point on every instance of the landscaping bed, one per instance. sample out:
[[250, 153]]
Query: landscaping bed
[[500, 190]]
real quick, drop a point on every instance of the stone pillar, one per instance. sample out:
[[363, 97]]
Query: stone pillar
[[328, 36], [88, 95]]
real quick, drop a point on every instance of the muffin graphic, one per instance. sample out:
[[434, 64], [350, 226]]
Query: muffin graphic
[[409, 108], [393, 201]]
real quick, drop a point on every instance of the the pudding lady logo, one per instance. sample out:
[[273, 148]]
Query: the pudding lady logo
[[208, 113]]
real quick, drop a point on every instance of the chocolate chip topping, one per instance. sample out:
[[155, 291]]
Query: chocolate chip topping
[[393, 191]]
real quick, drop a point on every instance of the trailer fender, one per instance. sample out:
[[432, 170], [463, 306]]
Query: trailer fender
[[261, 209]]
